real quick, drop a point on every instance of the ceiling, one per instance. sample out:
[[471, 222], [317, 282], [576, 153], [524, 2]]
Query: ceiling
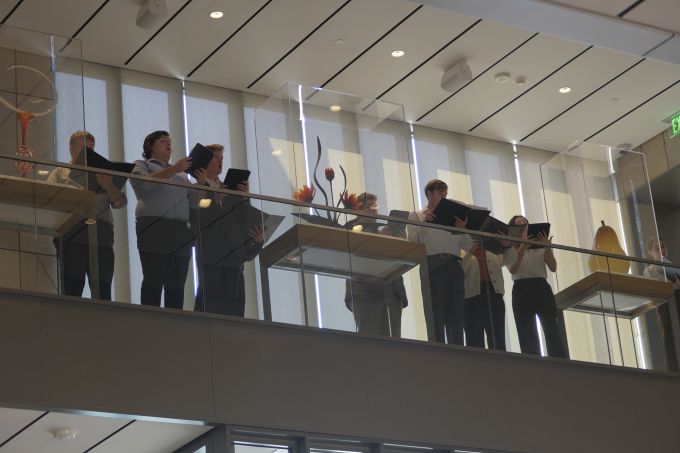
[[259, 45], [29, 431]]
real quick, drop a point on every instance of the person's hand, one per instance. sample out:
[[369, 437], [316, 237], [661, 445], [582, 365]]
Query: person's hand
[[459, 223], [243, 186], [201, 176], [106, 181], [429, 215], [256, 233], [542, 237], [182, 165]]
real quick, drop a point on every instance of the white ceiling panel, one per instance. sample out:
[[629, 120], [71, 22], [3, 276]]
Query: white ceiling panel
[[171, 53], [52, 17], [481, 47], [267, 38], [359, 25], [112, 36], [40, 438], [535, 60], [646, 121], [657, 13], [584, 75], [377, 69], [630, 90], [13, 420], [151, 437]]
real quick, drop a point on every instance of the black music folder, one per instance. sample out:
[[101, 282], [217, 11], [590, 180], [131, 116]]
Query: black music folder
[[90, 158], [200, 158], [446, 211], [534, 229], [235, 176], [494, 226]]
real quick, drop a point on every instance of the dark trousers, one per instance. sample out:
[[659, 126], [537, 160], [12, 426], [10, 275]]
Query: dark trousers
[[164, 251], [377, 310], [533, 297], [74, 251], [447, 293], [221, 291], [485, 313]]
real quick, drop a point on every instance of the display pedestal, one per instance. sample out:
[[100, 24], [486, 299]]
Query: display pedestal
[[633, 298], [41, 207], [338, 253]]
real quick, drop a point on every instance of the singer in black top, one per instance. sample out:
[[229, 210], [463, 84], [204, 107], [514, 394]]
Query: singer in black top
[[229, 235], [74, 246]]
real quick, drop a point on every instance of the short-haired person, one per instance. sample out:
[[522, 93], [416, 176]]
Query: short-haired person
[[226, 241], [657, 250], [74, 246], [443, 273], [484, 289], [376, 306], [164, 239], [532, 295]]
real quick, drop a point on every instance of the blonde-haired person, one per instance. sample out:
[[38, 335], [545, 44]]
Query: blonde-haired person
[[376, 306], [73, 247]]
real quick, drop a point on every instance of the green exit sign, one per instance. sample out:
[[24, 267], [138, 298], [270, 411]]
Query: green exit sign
[[675, 126]]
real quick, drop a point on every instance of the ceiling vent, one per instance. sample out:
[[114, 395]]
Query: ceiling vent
[[151, 13], [456, 76]]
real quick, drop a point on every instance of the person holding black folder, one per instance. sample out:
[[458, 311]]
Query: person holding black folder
[[532, 296], [164, 239], [73, 247], [484, 289], [230, 234], [376, 306], [443, 281]]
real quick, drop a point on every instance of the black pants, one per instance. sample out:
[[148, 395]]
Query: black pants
[[485, 313], [165, 251], [74, 251], [447, 293], [376, 307], [221, 291], [533, 297]]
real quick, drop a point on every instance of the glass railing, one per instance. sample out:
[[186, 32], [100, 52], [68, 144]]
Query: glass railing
[[84, 232]]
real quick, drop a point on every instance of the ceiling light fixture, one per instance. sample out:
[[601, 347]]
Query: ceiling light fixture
[[520, 80], [64, 433], [564, 90], [216, 14], [277, 152], [335, 108], [502, 77], [339, 41], [398, 53]]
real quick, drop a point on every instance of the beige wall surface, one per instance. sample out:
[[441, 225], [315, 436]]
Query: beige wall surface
[[61, 353]]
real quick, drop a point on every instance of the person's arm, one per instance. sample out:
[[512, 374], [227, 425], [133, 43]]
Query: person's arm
[[412, 230], [116, 197], [178, 167], [514, 267], [509, 255], [548, 255], [254, 245]]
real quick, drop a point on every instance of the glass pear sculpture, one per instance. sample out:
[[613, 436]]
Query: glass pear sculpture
[[607, 241]]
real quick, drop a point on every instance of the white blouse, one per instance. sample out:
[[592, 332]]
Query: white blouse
[[532, 265]]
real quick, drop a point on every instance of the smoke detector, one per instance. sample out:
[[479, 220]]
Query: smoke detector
[[502, 77], [520, 80], [624, 147], [151, 13]]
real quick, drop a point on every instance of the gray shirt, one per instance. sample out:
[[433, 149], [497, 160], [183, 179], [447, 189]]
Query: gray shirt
[[102, 203], [436, 240], [158, 199]]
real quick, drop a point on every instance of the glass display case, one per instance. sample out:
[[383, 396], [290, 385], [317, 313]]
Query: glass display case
[[329, 148], [41, 104]]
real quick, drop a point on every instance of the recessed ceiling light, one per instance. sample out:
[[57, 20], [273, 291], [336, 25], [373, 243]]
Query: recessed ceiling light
[[398, 53], [216, 14], [564, 90], [502, 77], [339, 41], [64, 433], [277, 152], [520, 80], [335, 108]]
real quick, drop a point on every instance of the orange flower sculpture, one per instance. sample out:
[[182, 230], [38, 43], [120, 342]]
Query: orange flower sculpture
[[306, 194]]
